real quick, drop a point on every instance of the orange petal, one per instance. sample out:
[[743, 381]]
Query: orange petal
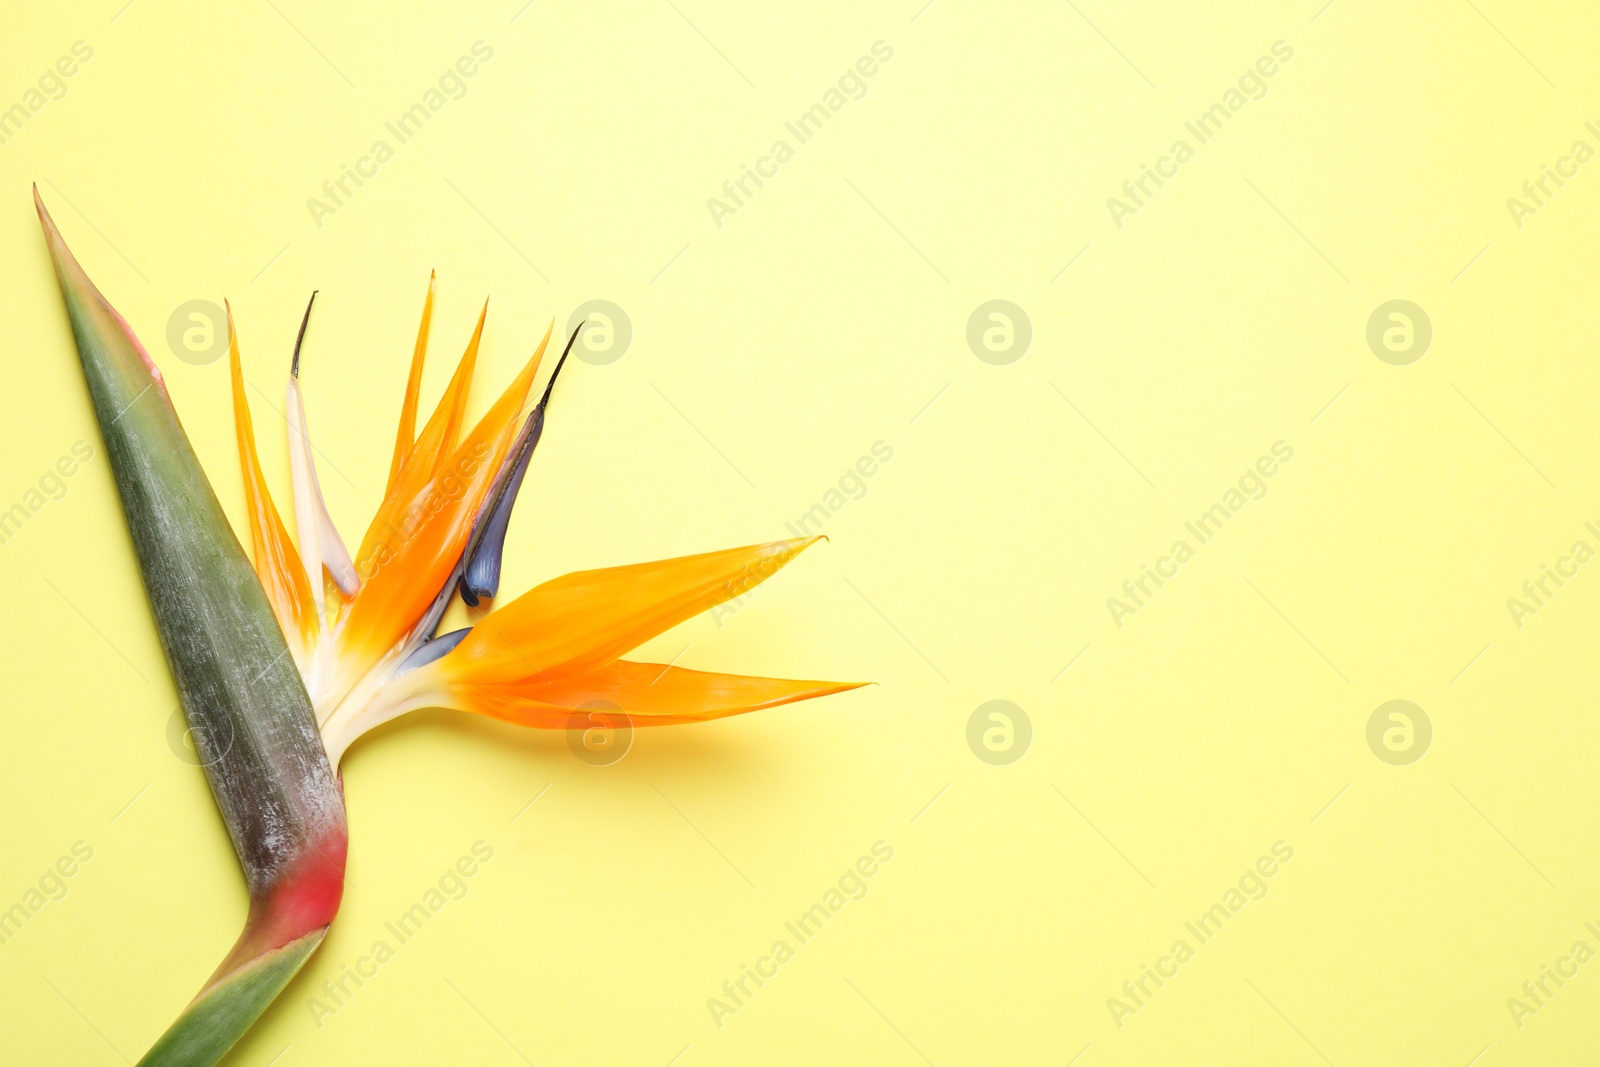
[[418, 549], [444, 426], [581, 622], [277, 563], [648, 694], [432, 451], [403, 438]]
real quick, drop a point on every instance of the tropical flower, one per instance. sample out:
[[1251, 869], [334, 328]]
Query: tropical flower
[[361, 629], [282, 666]]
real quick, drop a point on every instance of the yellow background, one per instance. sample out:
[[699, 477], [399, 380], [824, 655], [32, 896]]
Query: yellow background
[[1226, 715]]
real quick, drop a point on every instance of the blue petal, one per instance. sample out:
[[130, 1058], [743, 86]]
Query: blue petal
[[480, 572], [480, 577], [438, 648]]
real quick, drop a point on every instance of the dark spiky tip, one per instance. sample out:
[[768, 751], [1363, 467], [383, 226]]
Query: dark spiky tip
[[562, 362], [294, 364]]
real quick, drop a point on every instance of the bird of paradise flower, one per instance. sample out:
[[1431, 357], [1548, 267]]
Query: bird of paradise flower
[[293, 659]]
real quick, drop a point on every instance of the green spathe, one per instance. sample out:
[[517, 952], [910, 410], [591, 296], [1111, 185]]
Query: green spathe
[[211, 1025], [241, 692]]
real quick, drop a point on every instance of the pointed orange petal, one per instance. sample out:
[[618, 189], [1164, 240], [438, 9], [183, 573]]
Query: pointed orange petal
[[432, 451], [276, 561], [444, 426], [648, 694], [419, 547], [580, 622], [403, 438]]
